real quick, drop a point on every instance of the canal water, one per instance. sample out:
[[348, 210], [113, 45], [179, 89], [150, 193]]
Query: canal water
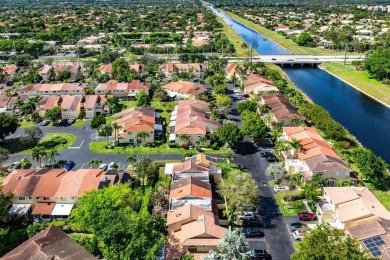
[[365, 118]]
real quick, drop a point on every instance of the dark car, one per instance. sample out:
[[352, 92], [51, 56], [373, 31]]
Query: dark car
[[290, 60], [306, 216], [270, 159], [69, 165], [259, 254], [297, 225], [252, 232], [266, 154], [252, 222], [273, 58]]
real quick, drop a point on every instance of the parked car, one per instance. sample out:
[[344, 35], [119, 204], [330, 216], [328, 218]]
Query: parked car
[[13, 166], [103, 166], [280, 188], [299, 234], [297, 225], [252, 232], [112, 166], [266, 154], [290, 60], [306, 216], [45, 122], [259, 254], [253, 222], [246, 215], [273, 58], [71, 121], [270, 159], [69, 165]]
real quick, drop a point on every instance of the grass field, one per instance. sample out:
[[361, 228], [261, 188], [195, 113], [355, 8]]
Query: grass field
[[27, 124], [280, 39], [361, 80], [79, 122], [288, 209], [234, 38], [70, 138]]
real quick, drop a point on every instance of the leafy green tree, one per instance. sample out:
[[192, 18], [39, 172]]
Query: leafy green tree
[[51, 156], [161, 95], [53, 114], [8, 125], [34, 229], [31, 136], [378, 64], [325, 242], [304, 39], [97, 121], [224, 100], [249, 105], [296, 179], [240, 190], [25, 163], [147, 172], [113, 104], [22, 60], [232, 246], [131, 159], [277, 171], [143, 135], [106, 130], [63, 75], [95, 162], [143, 99], [220, 90], [185, 138], [253, 125], [4, 155], [229, 133], [119, 66], [32, 77]]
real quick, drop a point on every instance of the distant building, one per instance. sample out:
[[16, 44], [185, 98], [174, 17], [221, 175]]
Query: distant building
[[183, 89], [122, 89]]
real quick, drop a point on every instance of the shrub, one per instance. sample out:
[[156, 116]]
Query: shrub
[[190, 153], [184, 146], [215, 146], [173, 145], [25, 163], [53, 142]]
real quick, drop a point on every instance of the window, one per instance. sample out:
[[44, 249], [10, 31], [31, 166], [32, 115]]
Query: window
[[37, 198], [30, 198], [331, 183], [45, 198], [21, 198], [64, 199]]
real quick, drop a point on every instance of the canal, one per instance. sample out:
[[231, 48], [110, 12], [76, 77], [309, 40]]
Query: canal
[[365, 118]]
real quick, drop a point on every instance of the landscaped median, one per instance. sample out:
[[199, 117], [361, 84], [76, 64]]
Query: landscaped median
[[52, 141], [100, 147]]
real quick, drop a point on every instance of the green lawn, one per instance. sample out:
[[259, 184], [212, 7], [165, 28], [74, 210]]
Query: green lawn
[[99, 147], [27, 124], [382, 196], [71, 139], [79, 122], [361, 80], [291, 210], [132, 56], [234, 38], [128, 104], [280, 39]]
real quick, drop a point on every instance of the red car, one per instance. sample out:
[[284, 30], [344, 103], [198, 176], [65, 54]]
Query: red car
[[306, 216]]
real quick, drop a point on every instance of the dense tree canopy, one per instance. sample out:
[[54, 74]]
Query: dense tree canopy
[[229, 133], [378, 64], [8, 125], [253, 125]]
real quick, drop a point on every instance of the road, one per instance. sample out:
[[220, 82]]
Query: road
[[278, 239]]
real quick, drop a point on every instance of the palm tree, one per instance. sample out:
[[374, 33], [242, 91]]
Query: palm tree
[[317, 180], [296, 121], [29, 106], [202, 140], [106, 129], [89, 91], [116, 127], [143, 135], [94, 162], [267, 119], [36, 154], [296, 145], [275, 134], [310, 193], [18, 104], [229, 156], [185, 138], [296, 179], [264, 108], [8, 92], [130, 159], [51, 156]]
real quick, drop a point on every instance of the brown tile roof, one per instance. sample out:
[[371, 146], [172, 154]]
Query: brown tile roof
[[169, 67], [47, 102], [281, 108], [201, 160], [43, 208], [51, 243], [115, 85], [136, 119], [186, 214], [190, 187], [185, 87], [51, 87], [90, 101], [71, 102], [188, 166], [366, 230], [9, 70], [4, 101], [231, 67], [44, 69], [60, 68], [105, 68]]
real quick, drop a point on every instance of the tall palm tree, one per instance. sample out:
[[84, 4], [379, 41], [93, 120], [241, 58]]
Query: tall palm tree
[[29, 106], [275, 134], [116, 127], [36, 154], [8, 92], [202, 140], [143, 135], [296, 121], [130, 159], [185, 138], [95, 162], [18, 104], [264, 108], [51, 156], [317, 180], [310, 193], [296, 179], [296, 145], [267, 119], [89, 91], [106, 129]]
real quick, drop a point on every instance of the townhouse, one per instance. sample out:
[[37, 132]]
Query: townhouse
[[50, 89], [183, 89], [94, 105], [122, 89], [257, 84], [191, 118], [50, 243], [315, 157], [47, 103], [107, 68], [10, 72], [52, 193], [281, 111], [44, 72], [196, 69], [71, 107], [138, 120], [7, 105], [231, 71]]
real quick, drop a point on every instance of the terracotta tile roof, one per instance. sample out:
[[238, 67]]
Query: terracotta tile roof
[[186, 214], [185, 87], [4, 101], [136, 119], [9, 70], [60, 68], [281, 108], [43, 208], [188, 166], [105, 68], [190, 187], [203, 160], [71, 102], [44, 69], [51, 87], [91, 101], [51, 243], [169, 67], [115, 85], [231, 67], [47, 102]]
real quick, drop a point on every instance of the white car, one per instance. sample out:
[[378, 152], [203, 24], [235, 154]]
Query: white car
[[299, 234], [103, 166], [280, 188], [71, 121], [13, 166], [246, 215], [112, 166]]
